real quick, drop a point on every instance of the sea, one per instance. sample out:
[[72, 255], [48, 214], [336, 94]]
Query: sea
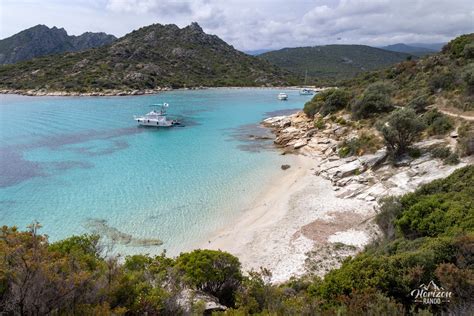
[[81, 165]]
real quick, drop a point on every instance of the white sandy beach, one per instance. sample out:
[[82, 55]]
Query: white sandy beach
[[270, 233]]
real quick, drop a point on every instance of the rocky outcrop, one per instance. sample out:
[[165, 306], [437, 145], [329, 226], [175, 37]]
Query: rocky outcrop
[[368, 177], [189, 301]]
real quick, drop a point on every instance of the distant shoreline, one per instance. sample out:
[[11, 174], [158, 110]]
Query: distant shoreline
[[119, 93]]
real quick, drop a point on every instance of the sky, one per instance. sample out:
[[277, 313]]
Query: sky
[[256, 24]]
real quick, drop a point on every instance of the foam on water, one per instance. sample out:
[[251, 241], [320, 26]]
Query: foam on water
[[78, 163]]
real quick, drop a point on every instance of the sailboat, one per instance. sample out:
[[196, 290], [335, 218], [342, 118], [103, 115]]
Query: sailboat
[[306, 91]]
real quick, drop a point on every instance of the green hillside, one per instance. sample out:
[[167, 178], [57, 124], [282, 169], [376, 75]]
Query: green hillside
[[333, 61], [151, 57]]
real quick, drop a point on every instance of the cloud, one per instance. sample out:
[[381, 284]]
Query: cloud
[[255, 24]]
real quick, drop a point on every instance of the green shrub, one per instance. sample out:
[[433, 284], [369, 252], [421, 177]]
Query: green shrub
[[390, 209], [465, 145], [452, 159], [437, 123], [419, 104], [468, 77], [327, 102], [337, 100], [400, 129], [443, 80], [364, 143], [312, 107], [456, 46], [441, 152], [319, 123], [468, 51], [375, 99], [214, 272]]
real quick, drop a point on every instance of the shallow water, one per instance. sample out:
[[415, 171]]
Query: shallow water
[[80, 164]]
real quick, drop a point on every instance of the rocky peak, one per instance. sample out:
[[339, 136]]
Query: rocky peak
[[194, 26]]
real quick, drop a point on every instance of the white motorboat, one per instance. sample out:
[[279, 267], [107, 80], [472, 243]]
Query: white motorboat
[[282, 96], [156, 118], [306, 91]]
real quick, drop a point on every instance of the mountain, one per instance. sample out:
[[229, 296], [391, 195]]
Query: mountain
[[404, 48], [333, 61], [151, 57], [433, 46], [41, 40], [257, 51]]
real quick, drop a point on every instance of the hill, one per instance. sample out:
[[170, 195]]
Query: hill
[[41, 40], [151, 57], [333, 61], [409, 49], [444, 79]]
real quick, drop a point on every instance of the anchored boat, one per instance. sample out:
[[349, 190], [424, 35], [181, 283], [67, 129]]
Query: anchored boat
[[156, 118], [282, 96], [306, 91]]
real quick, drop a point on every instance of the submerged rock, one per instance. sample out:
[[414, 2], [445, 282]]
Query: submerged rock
[[101, 228]]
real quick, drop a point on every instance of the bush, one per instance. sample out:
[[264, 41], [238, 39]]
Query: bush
[[364, 143], [327, 102], [375, 99], [466, 139], [437, 123], [337, 100], [419, 104], [441, 152], [390, 209], [401, 128], [215, 272], [442, 81], [452, 159], [312, 107], [319, 123], [468, 77]]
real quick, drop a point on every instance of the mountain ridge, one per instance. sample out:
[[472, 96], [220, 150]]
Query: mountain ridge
[[334, 61], [40, 40], [151, 57]]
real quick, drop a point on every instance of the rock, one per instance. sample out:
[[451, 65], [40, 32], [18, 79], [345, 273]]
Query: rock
[[284, 167], [349, 169], [454, 134], [324, 141], [283, 139], [429, 143], [404, 161], [373, 160], [300, 143], [189, 298]]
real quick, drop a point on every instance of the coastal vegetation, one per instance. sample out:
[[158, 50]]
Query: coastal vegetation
[[408, 101], [153, 57], [428, 236], [333, 62]]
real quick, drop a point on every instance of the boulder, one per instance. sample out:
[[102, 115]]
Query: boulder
[[349, 169], [373, 160], [284, 167], [300, 143], [189, 298]]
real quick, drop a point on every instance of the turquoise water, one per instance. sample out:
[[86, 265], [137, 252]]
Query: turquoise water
[[80, 164]]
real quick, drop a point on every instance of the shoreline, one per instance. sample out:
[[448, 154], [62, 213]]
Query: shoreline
[[272, 232], [120, 93], [321, 210]]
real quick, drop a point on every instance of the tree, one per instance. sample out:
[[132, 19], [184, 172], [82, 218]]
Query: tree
[[215, 272], [400, 130], [374, 100]]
